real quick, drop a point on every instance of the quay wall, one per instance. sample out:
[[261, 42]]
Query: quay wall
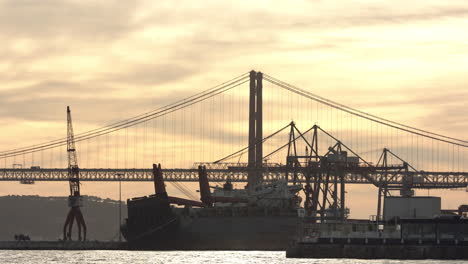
[[62, 245], [378, 251]]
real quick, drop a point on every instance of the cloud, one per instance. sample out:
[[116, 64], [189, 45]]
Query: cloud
[[116, 59], [110, 60], [54, 19], [149, 74], [44, 101]]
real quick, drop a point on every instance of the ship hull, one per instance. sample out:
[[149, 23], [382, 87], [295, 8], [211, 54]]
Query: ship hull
[[211, 229], [234, 233]]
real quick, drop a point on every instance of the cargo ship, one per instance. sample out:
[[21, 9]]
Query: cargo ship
[[226, 219]]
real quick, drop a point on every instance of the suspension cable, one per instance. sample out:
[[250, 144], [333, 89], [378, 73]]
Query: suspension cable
[[292, 89], [133, 121], [343, 107]]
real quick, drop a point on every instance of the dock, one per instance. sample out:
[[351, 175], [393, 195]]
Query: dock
[[62, 245], [395, 250]]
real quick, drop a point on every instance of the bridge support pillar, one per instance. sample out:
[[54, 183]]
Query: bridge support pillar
[[379, 205], [342, 197], [259, 125], [255, 153], [252, 134]]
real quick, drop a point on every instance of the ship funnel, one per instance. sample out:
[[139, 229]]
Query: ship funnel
[[205, 193]]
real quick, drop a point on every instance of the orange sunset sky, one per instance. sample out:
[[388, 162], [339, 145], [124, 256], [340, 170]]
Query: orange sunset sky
[[111, 60]]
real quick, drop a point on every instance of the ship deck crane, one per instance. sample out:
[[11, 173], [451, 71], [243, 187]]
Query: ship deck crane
[[74, 200]]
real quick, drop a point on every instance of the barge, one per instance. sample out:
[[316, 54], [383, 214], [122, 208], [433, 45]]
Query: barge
[[412, 228]]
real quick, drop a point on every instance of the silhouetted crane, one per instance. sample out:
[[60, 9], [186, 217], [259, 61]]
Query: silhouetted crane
[[74, 200]]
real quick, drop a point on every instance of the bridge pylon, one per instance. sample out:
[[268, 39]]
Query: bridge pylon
[[255, 151]]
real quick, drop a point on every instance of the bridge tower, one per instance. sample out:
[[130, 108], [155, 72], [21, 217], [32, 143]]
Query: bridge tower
[[255, 152]]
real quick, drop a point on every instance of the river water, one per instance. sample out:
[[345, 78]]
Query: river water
[[205, 257]]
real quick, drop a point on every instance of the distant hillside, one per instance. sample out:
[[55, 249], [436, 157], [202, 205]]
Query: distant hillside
[[42, 218]]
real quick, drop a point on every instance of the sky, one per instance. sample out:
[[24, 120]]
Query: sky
[[110, 60]]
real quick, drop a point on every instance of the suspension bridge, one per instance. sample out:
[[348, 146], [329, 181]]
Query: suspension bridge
[[249, 129]]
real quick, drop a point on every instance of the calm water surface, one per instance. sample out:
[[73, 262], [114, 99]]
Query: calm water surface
[[204, 257]]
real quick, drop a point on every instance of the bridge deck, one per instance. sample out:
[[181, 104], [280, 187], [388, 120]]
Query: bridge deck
[[353, 176]]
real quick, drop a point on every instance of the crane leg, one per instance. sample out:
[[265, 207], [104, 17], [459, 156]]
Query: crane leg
[[78, 224], [67, 223], [81, 223], [72, 219]]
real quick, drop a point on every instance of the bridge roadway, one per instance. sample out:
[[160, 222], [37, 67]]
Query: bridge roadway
[[366, 175]]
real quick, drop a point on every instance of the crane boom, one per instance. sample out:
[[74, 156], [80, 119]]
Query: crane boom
[[73, 171]]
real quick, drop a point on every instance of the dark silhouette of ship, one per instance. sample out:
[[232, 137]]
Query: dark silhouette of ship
[[260, 218]]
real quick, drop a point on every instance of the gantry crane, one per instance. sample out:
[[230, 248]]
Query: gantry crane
[[74, 200]]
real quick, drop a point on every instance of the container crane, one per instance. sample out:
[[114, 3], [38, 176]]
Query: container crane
[[74, 200]]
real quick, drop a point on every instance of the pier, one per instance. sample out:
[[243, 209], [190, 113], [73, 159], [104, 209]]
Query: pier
[[379, 250], [62, 245]]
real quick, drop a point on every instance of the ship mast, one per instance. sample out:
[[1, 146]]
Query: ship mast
[[74, 200]]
